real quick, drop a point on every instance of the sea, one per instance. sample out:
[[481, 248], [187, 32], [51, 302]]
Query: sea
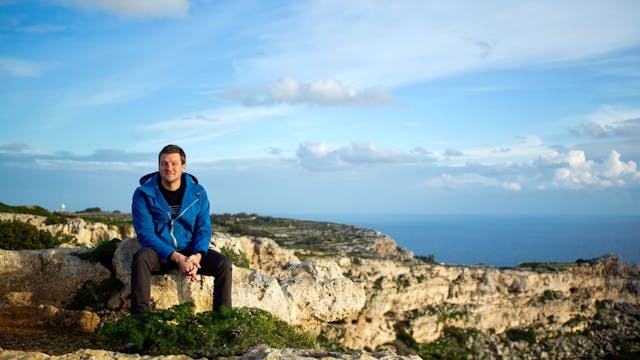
[[506, 240]]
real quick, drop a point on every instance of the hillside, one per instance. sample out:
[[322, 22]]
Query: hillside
[[356, 289]]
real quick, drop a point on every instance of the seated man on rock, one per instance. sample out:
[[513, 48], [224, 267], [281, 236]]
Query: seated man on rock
[[173, 225]]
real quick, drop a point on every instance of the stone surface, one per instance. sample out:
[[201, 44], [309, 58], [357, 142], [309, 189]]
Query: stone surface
[[47, 277]]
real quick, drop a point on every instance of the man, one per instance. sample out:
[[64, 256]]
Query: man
[[172, 221]]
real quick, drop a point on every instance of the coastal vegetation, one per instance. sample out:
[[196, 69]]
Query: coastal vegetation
[[228, 332]]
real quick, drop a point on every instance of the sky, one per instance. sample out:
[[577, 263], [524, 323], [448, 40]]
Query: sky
[[325, 107]]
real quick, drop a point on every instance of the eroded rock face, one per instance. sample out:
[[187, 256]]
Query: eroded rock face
[[431, 297], [44, 277]]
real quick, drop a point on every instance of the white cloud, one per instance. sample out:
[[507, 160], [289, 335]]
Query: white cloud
[[18, 67], [205, 125], [572, 170], [322, 156], [321, 92], [137, 8]]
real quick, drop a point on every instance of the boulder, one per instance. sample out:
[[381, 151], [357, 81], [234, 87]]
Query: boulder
[[44, 277]]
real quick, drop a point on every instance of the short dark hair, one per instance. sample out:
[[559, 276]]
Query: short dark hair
[[173, 149]]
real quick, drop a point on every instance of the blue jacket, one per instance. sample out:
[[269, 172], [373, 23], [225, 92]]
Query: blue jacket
[[190, 230]]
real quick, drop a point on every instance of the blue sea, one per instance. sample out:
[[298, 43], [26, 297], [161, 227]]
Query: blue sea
[[506, 240]]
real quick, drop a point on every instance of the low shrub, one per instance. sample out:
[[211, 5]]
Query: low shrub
[[178, 330], [18, 235], [93, 297], [528, 335]]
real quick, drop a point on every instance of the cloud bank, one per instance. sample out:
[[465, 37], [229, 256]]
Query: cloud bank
[[327, 92]]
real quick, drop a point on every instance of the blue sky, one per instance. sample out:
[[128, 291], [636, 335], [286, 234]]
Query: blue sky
[[318, 107]]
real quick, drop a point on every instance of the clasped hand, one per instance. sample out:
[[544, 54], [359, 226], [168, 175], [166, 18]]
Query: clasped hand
[[189, 265]]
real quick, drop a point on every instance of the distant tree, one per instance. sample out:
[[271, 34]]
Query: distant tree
[[93, 210]]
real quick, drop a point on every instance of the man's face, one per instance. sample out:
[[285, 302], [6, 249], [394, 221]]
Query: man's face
[[171, 167]]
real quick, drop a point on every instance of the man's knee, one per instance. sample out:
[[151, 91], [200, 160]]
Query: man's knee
[[145, 257]]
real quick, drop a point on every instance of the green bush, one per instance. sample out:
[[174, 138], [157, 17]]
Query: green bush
[[18, 235], [178, 330], [32, 210], [451, 345]]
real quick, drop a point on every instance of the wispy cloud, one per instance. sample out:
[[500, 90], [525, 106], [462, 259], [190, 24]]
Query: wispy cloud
[[11, 66], [406, 42], [467, 180], [208, 124], [14, 155], [138, 8], [15, 147], [328, 92]]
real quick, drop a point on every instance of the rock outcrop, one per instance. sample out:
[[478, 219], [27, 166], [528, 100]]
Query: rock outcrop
[[44, 277]]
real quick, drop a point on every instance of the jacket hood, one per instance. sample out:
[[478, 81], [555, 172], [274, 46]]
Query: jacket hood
[[148, 177]]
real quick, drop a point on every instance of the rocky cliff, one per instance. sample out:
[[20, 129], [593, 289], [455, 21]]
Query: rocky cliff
[[365, 293]]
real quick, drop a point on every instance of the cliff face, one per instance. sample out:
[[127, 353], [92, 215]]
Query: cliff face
[[432, 297], [359, 298]]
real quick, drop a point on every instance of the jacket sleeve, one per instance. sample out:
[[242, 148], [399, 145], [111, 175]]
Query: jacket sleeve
[[202, 229], [145, 230]]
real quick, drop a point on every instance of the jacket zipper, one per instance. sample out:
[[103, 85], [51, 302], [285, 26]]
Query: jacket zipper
[[175, 241]]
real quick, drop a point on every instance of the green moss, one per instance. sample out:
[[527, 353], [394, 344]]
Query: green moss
[[179, 330], [237, 259], [528, 335], [377, 285], [18, 235]]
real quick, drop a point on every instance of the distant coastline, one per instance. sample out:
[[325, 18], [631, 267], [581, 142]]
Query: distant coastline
[[505, 240]]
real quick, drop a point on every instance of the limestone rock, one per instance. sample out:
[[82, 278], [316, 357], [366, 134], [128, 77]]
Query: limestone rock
[[318, 291], [49, 277], [266, 255], [302, 294]]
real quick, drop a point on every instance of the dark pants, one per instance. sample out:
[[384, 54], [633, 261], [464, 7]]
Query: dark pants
[[147, 262]]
